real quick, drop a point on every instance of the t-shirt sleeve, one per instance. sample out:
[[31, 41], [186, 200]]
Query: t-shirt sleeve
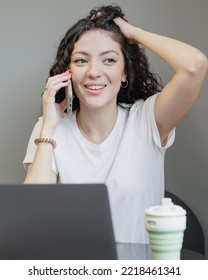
[[154, 128], [143, 112], [31, 148]]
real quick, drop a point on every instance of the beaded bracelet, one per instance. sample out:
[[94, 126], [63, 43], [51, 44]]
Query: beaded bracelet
[[45, 141]]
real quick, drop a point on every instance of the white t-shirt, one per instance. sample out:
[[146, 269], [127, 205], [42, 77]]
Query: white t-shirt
[[130, 162]]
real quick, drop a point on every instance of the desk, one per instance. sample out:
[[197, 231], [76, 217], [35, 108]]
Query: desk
[[137, 251]]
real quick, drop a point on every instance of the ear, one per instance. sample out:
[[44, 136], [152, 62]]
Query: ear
[[124, 77]]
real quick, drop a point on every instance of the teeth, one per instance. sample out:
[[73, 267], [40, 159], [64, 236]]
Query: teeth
[[95, 87]]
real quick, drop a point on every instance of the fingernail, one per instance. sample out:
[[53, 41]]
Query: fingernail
[[68, 72]]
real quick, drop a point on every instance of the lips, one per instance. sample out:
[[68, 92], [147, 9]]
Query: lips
[[95, 88]]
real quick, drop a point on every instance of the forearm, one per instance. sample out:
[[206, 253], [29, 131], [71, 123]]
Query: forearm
[[40, 171], [178, 55]]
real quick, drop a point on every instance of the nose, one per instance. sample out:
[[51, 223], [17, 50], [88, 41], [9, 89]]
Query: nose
[[94, 69]]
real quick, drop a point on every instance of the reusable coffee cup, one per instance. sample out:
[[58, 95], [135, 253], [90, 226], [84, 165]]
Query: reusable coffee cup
[[165, 225]]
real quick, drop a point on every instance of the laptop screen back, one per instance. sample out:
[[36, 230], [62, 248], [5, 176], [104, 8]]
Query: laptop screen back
[[56, 222]]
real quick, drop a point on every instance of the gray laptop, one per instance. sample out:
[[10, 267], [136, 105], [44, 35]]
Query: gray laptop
[[56, 222]]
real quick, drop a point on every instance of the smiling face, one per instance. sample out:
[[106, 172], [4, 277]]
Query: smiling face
[[97, 66]]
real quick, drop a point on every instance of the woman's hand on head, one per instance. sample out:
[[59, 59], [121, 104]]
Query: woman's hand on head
[[52, 111], [127, 29]]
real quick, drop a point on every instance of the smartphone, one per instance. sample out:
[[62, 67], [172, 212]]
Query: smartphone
[[69, 98]]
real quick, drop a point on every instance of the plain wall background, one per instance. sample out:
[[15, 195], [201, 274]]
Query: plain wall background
[[30, 32]]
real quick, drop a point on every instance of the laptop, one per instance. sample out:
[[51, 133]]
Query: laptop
[[56, 222]]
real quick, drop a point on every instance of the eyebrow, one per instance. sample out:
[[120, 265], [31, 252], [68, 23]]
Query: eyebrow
[[101, 54]]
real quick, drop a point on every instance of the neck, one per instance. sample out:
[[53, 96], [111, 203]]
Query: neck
[[96, 125]]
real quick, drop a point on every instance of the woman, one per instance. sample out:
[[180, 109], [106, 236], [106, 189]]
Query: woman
[[123, 121]]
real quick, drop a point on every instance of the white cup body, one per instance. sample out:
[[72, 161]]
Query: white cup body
[[166, 242], [165, 226]]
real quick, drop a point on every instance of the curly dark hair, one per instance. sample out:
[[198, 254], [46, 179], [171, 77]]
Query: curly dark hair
[[141, 82]]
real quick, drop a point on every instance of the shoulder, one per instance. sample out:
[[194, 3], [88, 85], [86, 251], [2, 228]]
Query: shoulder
[[38, 125], [143, 107], [140, 110], [150, 101]]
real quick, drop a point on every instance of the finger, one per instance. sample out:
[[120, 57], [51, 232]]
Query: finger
[[96, 16], [55, 84], [51, 91], [117, 20], [58, 79]]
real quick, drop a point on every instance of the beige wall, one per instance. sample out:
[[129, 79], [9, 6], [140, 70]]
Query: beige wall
[[30, 32]]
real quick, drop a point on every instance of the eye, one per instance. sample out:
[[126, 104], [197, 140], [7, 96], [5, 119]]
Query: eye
[[80, 61], [109, 61]]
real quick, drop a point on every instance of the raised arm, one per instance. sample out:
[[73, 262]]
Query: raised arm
[[40, 170], [190, 66]]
